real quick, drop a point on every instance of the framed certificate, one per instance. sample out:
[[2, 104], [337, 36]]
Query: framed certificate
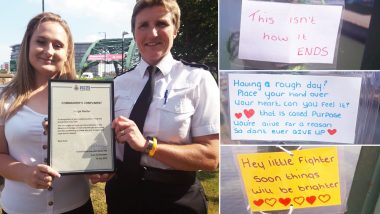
[[80, 136]]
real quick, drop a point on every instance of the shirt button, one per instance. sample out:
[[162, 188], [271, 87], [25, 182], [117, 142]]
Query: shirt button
[[44, 147], [50, 203], [45, 160], [50, 188]]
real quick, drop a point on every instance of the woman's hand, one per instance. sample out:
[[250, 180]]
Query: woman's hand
[[126, 130], [40, 176]]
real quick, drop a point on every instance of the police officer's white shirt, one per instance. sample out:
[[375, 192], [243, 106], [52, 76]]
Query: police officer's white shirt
[[189, 109]]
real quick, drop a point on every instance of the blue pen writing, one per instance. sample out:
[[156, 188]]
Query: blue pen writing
[[166, 96]]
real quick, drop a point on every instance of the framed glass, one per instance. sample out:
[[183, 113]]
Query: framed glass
[[80, 136]]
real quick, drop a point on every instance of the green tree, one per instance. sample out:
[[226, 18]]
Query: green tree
[[198, 35]]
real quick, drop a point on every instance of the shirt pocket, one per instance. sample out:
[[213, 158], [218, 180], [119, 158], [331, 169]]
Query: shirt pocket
[[179, 100], [175, 115]]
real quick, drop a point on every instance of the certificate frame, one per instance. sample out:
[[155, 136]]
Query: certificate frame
[[80, 135]]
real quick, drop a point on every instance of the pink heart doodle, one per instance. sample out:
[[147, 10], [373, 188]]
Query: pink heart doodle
[[249, 113], [331, 131], [238, 115]]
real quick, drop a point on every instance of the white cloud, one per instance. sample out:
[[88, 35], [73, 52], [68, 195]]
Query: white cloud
[[5, 55], [92, 37], [88, 17], [108, 11]]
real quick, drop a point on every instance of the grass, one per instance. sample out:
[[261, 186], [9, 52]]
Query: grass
[[98, 198], [209, 180]]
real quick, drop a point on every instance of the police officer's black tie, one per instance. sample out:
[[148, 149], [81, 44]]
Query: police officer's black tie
[[138, 115]]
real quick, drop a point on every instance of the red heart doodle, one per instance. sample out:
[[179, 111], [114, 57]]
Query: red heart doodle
[[258, 202], [331, 131], [299, 200], [324, 198], [249, 113], [238, 115], [311, 199], [270, 201], [284, 201]]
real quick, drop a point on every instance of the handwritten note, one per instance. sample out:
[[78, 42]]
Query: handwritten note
[[276, 180], [293, 107], [289, 33]]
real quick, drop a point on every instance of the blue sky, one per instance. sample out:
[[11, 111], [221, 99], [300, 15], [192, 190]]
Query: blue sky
[[86, 19]]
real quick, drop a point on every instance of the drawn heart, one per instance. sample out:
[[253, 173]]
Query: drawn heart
[[284, 201], [238, 115], [258, 202], [249, 113], [311, 199], [331, 131], [270, 201], [299, 200], [324, 198]]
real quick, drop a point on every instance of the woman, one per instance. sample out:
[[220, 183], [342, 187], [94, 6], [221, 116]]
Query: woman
[[180, 134], [31, 186]]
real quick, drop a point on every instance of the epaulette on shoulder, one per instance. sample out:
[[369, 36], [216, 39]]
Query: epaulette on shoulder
[[121, 73], [193, 64]]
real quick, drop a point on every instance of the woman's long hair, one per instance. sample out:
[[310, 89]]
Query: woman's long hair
[[22, 85]]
